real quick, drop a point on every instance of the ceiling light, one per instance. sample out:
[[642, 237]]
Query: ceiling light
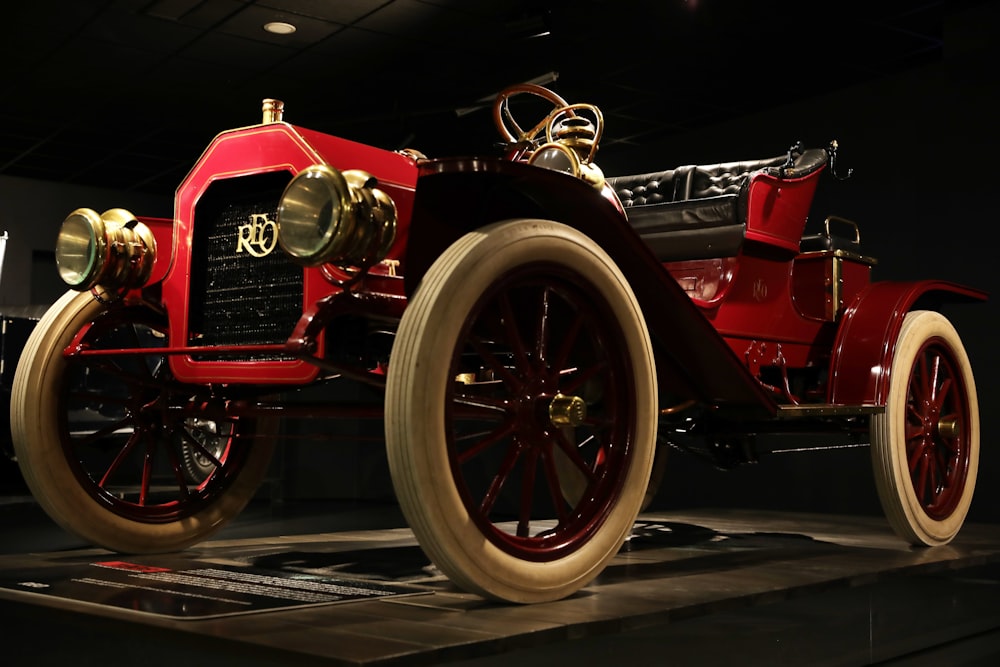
[[279, 28]]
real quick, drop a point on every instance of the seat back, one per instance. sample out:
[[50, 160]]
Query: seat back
[[702, 211]]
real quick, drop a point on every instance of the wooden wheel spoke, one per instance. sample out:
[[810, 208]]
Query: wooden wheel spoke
[[527, 493], [918, 454], [500, 478], [147, 473], [568, 342], [572, 384], [494, 364], [542, 333], [123, 454], [103, 432], [194, 442], [513, 334], [572, 452], [943, 393], [177, 469], [933, 379], [467, 406], [487, 440], [553, 485]]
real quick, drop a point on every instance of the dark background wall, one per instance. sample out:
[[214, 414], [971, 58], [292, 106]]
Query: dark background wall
[[921, 147], [31, 212]]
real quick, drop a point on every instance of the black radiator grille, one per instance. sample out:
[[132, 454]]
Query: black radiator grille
[[238, 298]]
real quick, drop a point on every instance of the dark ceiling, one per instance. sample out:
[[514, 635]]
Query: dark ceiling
[[126, 93]]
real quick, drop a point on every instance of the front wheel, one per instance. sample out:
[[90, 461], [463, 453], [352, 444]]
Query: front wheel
[[925, 446], [523, 349], [105, 440]]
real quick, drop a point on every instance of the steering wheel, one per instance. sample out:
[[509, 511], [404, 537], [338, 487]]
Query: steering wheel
[[504, 119]]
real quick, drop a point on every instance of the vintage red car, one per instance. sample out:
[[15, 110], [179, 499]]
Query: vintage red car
[[537, 330]]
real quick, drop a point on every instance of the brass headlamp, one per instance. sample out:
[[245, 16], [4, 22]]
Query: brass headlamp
[[112, 249], [329, 216]]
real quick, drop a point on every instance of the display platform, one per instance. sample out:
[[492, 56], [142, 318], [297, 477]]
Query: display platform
[[700, 587]]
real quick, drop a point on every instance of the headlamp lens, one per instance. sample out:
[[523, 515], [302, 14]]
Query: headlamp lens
[[79, 248], [310, 213]]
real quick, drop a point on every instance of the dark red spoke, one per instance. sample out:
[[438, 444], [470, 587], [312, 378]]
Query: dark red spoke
[[938, 475], [918, 453], [914, 431], [479, 407], [942, 464], [555, 489], [934, 380], [175, 465], [147, 473], [599, 422], [506, 466], [191, 440], [943, 392], [920, 385], [474, 435], [130, 444], [177, 468], [572, 452], [918, 473], [542, 335], [572, 384], [527, 493], [948, 448], [102, 433], [568, 342], [492, 438], [513, 335], [495, 364]]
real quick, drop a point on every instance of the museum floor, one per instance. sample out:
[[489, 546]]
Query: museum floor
[[322, 583]]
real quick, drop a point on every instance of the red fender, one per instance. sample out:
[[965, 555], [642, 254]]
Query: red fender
[[863, 350]]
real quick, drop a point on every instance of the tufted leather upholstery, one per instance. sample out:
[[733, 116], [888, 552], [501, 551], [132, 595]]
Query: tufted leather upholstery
[[699, 211], [653, 188]]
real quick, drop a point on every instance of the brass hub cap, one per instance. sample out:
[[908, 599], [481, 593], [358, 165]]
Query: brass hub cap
[[567, 410], [948, 428]]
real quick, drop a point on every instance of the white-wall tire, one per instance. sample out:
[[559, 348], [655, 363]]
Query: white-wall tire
[[64, 457], [478, 315], [925, 446]]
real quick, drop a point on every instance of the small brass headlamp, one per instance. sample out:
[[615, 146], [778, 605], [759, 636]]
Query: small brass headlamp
[[112, 249]]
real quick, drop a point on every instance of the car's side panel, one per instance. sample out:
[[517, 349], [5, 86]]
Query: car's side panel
[[863, 349]]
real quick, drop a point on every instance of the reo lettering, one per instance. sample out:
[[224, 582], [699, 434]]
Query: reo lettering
[[259, 236]]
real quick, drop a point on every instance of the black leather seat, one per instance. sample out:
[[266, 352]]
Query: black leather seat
[[699, 211]]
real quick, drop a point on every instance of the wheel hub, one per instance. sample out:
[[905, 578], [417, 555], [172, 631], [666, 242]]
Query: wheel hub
[[948, 428], [567, 410]]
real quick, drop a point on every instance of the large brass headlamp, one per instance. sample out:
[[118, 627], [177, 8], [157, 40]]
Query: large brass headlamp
[[113, 250], [329, 216]]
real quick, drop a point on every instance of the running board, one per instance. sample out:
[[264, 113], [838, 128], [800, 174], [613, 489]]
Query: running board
[[827, 410]]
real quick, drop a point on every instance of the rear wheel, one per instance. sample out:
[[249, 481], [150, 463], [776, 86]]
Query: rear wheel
[[925, 446], [524, 350], [107, 443]]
